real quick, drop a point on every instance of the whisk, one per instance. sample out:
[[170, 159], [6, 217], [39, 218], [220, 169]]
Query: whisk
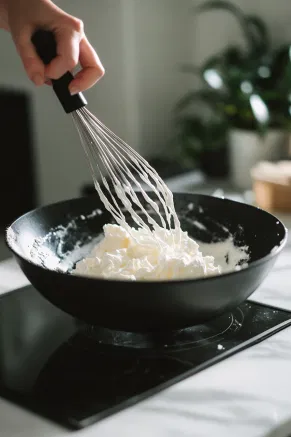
[[128, 182]]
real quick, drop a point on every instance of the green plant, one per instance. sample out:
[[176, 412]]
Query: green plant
[[247, 88], [199, 135]]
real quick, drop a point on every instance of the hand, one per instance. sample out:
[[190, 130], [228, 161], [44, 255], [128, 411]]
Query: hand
[[22, 17]]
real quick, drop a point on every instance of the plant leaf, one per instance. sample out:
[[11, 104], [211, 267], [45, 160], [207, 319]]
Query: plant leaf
[[212, 73], [282, 70], [260, 33], [207, 97], [234, 10], [226, 72], [233, 56], [197, 135], [260, 112], [248, 23]]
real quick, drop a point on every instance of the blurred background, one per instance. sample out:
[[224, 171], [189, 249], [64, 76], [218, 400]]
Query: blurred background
[[189, 84]]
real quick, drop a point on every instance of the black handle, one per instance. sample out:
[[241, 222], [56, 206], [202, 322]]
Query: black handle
[[46, 48]]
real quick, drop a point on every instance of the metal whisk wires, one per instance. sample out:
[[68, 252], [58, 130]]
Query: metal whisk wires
[[131, 179]]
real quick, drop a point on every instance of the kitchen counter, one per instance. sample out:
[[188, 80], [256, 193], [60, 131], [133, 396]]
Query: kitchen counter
[[247, 395]]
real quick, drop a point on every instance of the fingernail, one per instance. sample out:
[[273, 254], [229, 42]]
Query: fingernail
[[74, 90], [48, 81], [37, 79]]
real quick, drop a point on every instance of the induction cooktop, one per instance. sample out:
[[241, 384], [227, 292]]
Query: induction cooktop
[[76, 374]]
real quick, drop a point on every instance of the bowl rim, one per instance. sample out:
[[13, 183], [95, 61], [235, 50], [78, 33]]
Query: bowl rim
[[273, 253]]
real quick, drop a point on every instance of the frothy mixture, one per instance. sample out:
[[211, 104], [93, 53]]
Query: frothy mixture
[[130, 254], [158, 248]]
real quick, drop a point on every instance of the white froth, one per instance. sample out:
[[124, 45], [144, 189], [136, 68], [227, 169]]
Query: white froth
[[158, 255]]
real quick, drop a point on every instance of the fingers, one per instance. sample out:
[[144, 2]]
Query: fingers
[[92, 69], [31, 62], [72, 47], [68, 42]]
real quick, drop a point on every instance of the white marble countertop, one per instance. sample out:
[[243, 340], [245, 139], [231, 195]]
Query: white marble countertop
[[247, 395]]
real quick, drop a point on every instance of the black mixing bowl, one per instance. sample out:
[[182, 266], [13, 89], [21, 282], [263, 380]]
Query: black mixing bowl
[[48, 241]]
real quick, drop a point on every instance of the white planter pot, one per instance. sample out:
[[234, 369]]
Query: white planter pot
[[247, 149]]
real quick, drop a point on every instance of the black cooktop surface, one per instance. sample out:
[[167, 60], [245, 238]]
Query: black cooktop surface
[[77, 374]]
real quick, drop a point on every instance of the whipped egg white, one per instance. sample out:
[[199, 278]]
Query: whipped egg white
[[139, 254]]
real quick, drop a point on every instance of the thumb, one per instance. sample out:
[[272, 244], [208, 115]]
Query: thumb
[[33, 65]]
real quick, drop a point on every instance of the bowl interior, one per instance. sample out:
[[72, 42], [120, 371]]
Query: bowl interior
[[59, 235]]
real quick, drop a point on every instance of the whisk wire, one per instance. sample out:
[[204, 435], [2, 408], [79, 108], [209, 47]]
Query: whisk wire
[[126, 170], [143, 167]]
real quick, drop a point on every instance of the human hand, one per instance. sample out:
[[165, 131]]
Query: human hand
[[22, 17]]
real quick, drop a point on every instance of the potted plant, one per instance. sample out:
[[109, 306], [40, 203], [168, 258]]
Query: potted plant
[[202, 137], [249, 89]]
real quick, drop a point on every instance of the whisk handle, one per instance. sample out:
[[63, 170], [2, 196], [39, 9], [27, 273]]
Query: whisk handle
[[46, 48]]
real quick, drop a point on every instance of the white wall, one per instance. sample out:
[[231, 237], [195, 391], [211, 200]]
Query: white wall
[[162, 43], [141, 44], [213, 30]]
